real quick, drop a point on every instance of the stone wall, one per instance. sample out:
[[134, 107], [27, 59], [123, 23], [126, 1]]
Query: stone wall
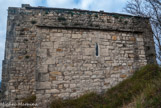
[[18, 76], [68, 66], [51, 52]]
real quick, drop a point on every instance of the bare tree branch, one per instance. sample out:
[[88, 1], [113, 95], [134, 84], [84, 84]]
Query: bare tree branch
[[151, 9]]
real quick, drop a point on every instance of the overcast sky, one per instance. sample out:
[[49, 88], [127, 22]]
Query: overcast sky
[[106, 5]]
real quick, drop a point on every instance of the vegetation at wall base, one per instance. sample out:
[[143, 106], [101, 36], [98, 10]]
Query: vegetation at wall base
[[143, 90], [29, 99]]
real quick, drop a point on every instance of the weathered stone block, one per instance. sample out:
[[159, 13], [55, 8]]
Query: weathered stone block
[[73, 95], [139, 39], [59, 50], [46, 44], [58, 34], [16, 49], [131, 55], [43, 69], [55, 73], [89, 51], [75, 36], [132, 39], [44, 77], [72, 85], [53, 91], [42, 52], [123, 76], [53, 78], [20, 57], [114, 38], [44, 85], [48, 61]]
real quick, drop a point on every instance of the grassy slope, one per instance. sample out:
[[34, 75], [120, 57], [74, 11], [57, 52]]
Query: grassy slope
[[143, 89]]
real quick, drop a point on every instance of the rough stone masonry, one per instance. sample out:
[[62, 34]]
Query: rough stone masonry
[[64, 53]]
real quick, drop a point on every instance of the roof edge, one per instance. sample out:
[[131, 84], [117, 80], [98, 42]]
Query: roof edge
[[27, 6]]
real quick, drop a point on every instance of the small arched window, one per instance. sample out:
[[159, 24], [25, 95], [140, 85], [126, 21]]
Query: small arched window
[[96, 49]]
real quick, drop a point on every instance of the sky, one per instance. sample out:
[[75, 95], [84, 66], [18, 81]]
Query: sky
[[96, 5]]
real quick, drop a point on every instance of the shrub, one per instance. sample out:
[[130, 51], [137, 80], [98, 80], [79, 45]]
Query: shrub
[[29, 99]]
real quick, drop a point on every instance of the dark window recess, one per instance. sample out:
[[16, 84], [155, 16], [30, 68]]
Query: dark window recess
[[96, 49]]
